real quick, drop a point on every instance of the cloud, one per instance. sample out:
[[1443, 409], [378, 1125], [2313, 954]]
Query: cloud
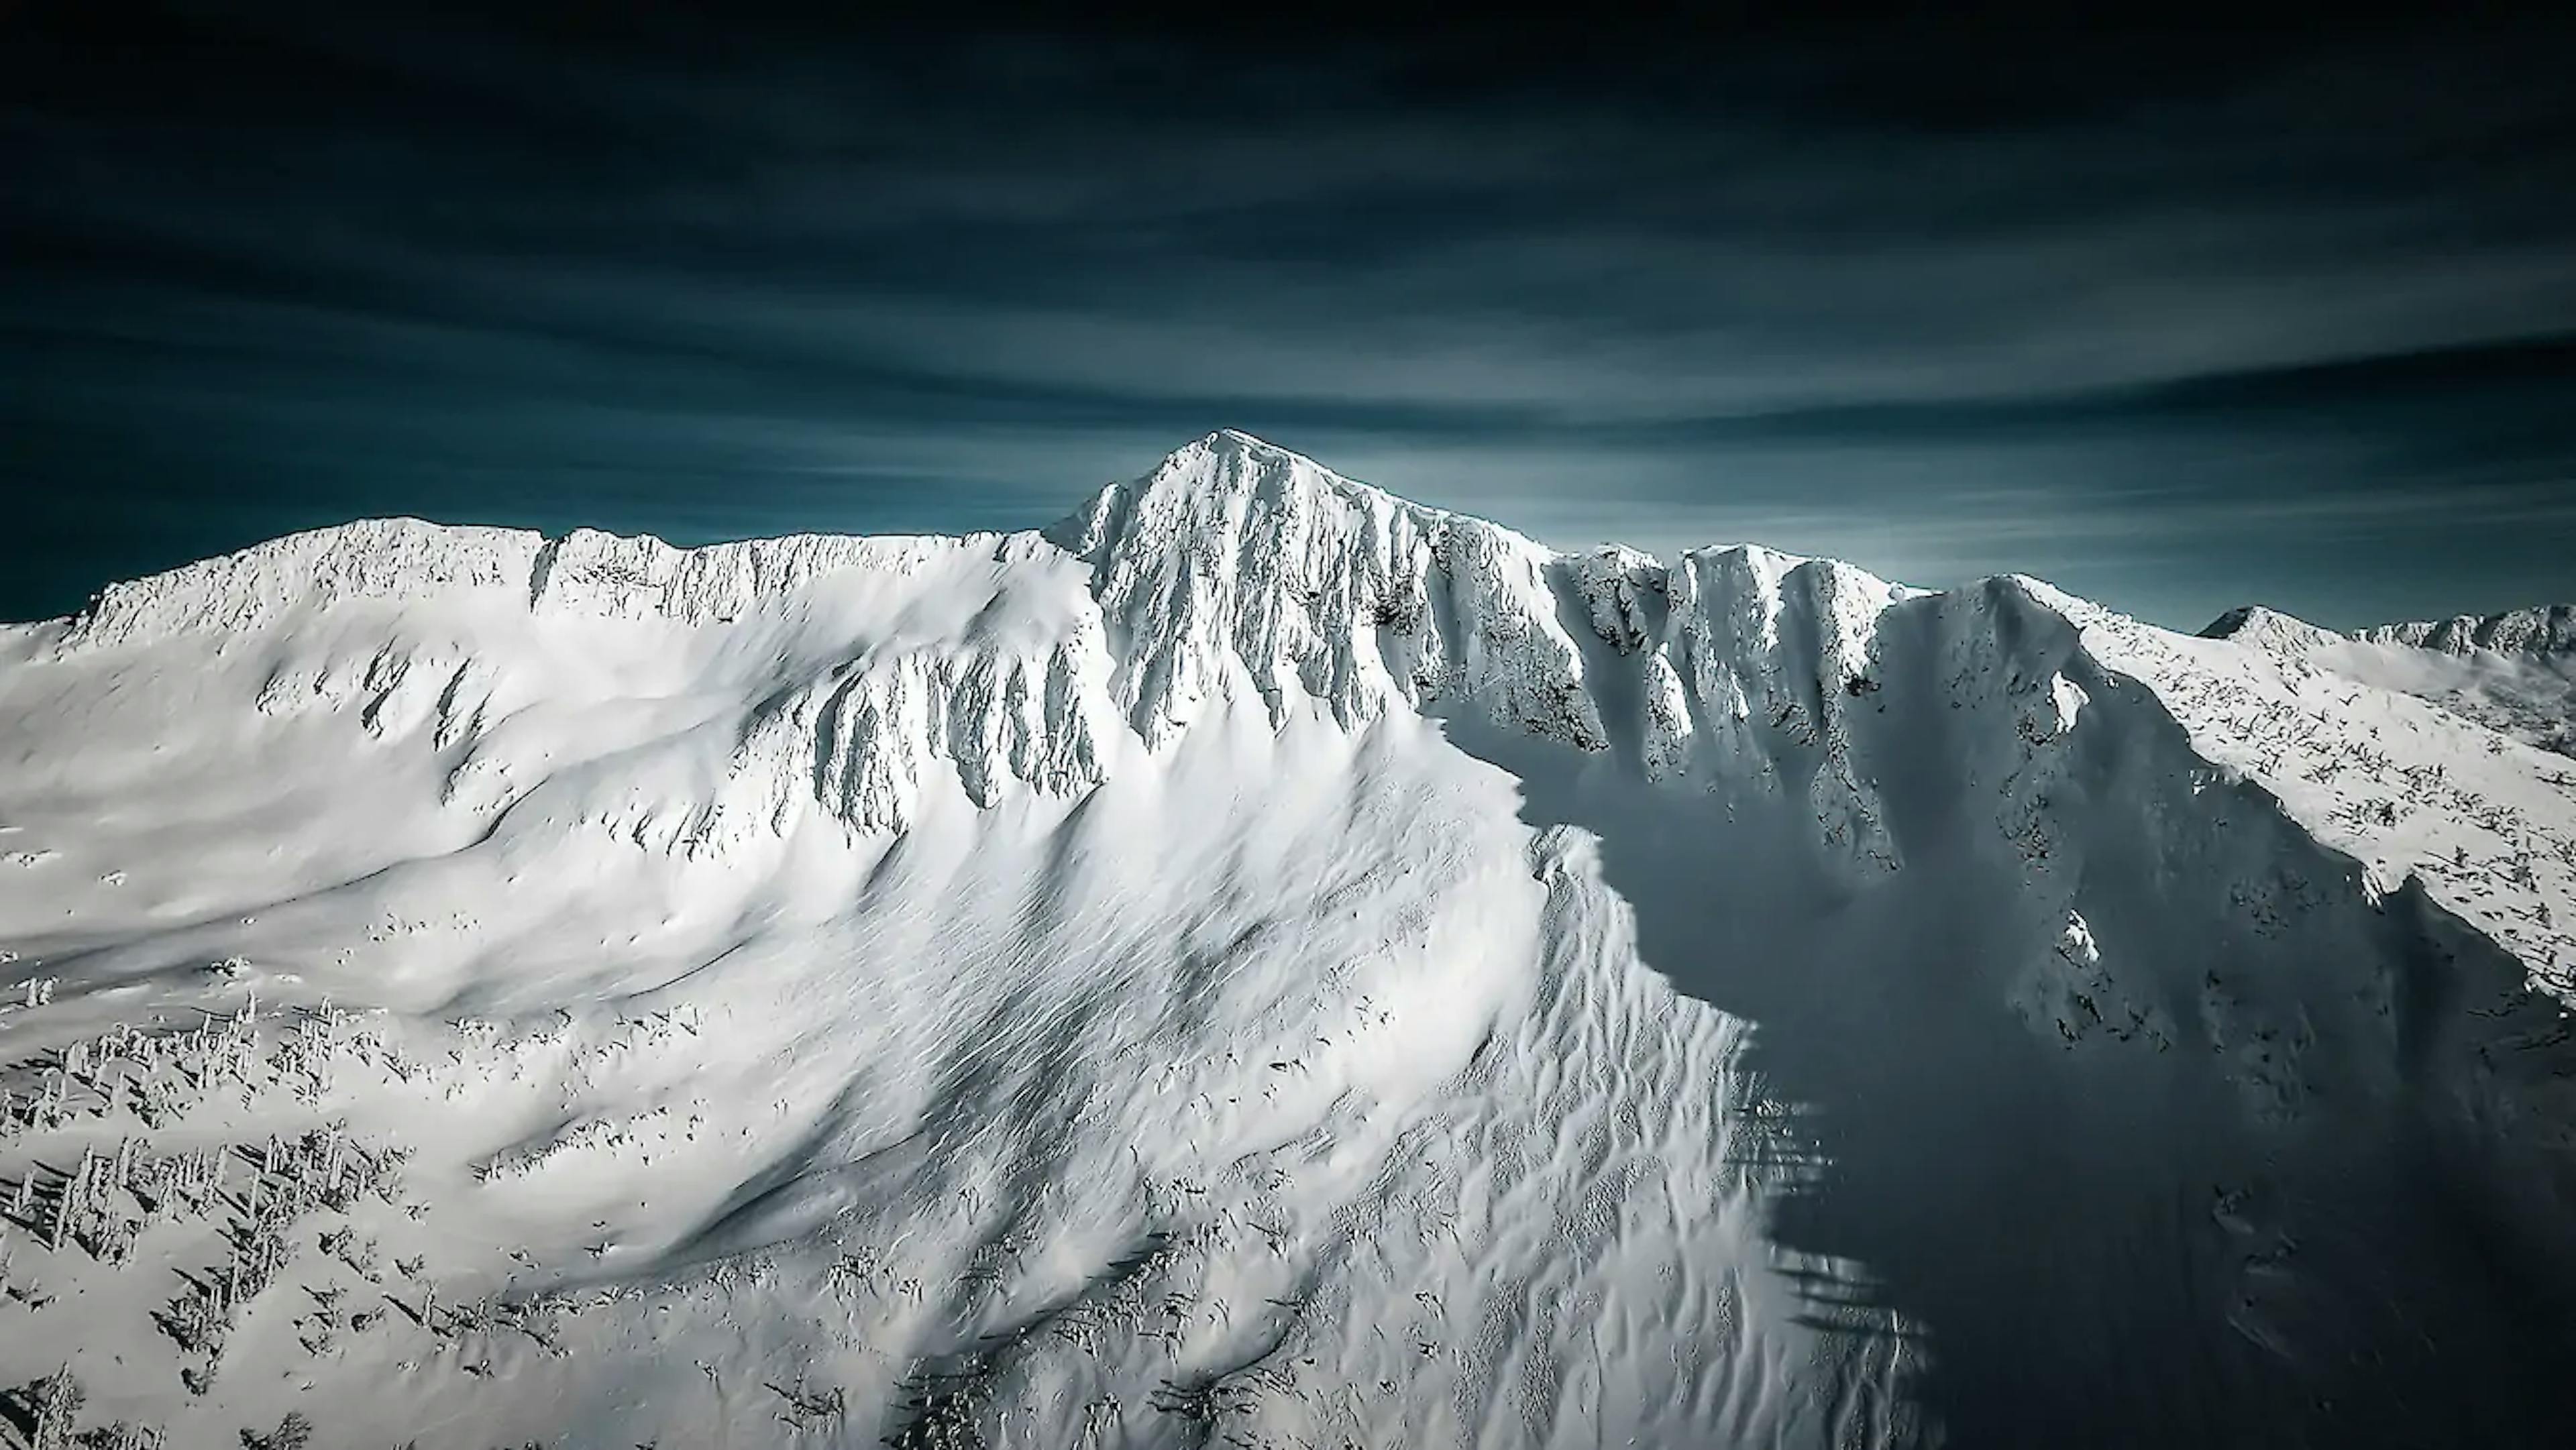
[[1947, 307]]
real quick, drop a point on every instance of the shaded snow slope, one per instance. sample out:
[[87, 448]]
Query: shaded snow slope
[[1264, 963]]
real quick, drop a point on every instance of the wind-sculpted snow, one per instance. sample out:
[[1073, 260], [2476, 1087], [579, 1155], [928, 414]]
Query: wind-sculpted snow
[[1260, 963]]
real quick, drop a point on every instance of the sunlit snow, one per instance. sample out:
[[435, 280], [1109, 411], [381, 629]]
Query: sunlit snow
[[1262, 963]]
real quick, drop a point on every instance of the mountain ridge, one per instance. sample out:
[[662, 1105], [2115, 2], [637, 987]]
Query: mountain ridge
[[2538, 630], [2548, 629], [2513, 673], [1232, 567]]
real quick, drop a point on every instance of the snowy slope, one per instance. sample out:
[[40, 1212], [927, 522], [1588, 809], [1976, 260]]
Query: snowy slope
[[1260, 962], [2514, 673]]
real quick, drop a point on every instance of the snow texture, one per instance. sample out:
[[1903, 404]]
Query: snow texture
[[1265, 963], [2514, 673]]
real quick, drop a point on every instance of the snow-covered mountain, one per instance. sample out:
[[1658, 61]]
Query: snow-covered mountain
[[2514, 673], [2539, 631], [1261, 963]]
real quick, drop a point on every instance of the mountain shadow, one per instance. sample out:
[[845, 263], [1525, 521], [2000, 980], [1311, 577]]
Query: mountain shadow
[[2135, 1104]]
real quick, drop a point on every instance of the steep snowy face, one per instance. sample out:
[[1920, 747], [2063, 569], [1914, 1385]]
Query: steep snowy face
[[1238, 564], [1264, 960], [1238, 567], [2421, 765], [1771, 655]]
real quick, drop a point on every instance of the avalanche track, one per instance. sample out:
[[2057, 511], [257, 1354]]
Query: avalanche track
[[1260, 963]]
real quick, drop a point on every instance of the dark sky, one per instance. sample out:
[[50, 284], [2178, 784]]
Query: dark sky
[[2176, 319]]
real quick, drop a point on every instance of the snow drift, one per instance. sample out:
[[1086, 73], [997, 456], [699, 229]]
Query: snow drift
[[1261, 962]]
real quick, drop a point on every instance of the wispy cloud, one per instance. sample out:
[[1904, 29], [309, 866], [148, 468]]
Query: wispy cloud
[[1846, 291]]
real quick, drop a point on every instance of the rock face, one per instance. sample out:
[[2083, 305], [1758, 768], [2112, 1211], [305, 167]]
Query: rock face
[[1263, 958]]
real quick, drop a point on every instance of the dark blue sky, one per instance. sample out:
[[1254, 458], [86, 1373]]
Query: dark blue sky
[[2176, 319]]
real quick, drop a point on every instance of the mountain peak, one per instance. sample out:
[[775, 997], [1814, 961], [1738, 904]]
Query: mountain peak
[[1226, 484], [1231, 460], [1229, 443], [2261, 625], [1237, 438]]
